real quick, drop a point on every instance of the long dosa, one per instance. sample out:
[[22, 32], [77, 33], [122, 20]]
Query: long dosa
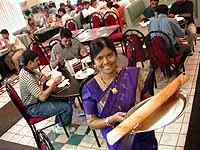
[[146, 110]]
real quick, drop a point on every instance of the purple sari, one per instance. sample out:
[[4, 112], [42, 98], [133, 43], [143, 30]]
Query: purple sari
[[104, 103]]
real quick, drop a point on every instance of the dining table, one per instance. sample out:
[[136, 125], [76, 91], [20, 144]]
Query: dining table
[[43, 34], [57, 36], [91, 34]]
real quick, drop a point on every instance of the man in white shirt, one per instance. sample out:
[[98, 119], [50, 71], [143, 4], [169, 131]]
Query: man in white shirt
[[86, 12], [16, 46]]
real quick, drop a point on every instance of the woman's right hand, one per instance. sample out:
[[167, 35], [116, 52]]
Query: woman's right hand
[[117, 117]]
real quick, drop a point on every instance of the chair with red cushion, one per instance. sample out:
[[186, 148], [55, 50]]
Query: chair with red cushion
[[136, 53], [95, 20], [43, 55], [111, 18], [41, 138], [160, 46], [71, 24]]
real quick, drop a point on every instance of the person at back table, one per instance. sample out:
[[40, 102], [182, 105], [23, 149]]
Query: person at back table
[[39, 102], [169, 26], [110, 94], [66, 49], [149, 11], [184, 8], [16, 46]]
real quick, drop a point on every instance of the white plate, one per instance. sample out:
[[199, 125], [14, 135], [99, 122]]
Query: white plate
[[179, 18], [165, 115], [82, 75], [4, 50], [49, 82], [86, 59], [144, 24], [64, 83], [74, 61]]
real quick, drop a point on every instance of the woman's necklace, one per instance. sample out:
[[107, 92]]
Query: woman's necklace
[[114, 89]]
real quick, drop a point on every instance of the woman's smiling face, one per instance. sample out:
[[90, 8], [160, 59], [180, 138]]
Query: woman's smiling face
[[106, 61]]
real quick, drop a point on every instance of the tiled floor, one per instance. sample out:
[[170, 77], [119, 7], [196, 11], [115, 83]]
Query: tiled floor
[[171, 137]]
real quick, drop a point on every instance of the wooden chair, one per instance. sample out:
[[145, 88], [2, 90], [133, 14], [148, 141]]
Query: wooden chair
[[160, 47], [71, 24], [134, 41], [111, 18], [43, 55], [81, 88], [96, 20], [41, 138]]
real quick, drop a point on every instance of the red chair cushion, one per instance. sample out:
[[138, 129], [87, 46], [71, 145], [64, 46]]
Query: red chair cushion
[[110, 20], [35, 120], [16, 99], [177, 59], [44, 60], [71, 26], [96, 22], [159, 56], [116, 36]]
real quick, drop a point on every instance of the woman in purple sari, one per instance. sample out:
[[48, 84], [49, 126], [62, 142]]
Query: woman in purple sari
[[112, 92]]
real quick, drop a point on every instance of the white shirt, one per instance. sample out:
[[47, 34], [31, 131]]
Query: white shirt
[[89, 11], [13, 40], [64, 18]]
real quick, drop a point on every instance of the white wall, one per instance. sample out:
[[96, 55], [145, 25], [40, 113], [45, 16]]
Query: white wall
[[11, 16]]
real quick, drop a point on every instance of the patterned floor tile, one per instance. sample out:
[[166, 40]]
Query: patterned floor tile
[[57, 146], [75, 139]]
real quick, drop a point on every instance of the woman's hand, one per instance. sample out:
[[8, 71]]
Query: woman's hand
[[117, 117]]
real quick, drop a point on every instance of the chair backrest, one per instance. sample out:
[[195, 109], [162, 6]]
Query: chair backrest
[[96, 20], [84, 82], [159, 44], [53, 42], [71, 24], [111, 18], [16, 100], [137, 38], [42, 53], [130, 51]]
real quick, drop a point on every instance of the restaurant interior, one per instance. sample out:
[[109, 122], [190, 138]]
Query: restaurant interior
[[39, 25]]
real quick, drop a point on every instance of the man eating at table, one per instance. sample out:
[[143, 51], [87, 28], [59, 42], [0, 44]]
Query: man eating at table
[[66, 49], [38, 102], [16, 49]]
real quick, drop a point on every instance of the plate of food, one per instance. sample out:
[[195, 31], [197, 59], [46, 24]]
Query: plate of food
[[86, 59], [50, 81], [83, 74], [179, 18], [166, 114], [4, 50]]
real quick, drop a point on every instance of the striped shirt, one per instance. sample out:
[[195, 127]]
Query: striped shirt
[[29, 87]]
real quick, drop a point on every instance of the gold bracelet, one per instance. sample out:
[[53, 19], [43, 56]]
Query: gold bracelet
[[107, 121]]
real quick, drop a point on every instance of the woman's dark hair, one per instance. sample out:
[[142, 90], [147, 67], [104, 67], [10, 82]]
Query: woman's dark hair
[[65, 33], [27, 56], [98, 44], [162, 9]]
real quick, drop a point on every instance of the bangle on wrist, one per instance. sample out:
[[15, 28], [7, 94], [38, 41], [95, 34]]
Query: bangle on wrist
[[107, 121]]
